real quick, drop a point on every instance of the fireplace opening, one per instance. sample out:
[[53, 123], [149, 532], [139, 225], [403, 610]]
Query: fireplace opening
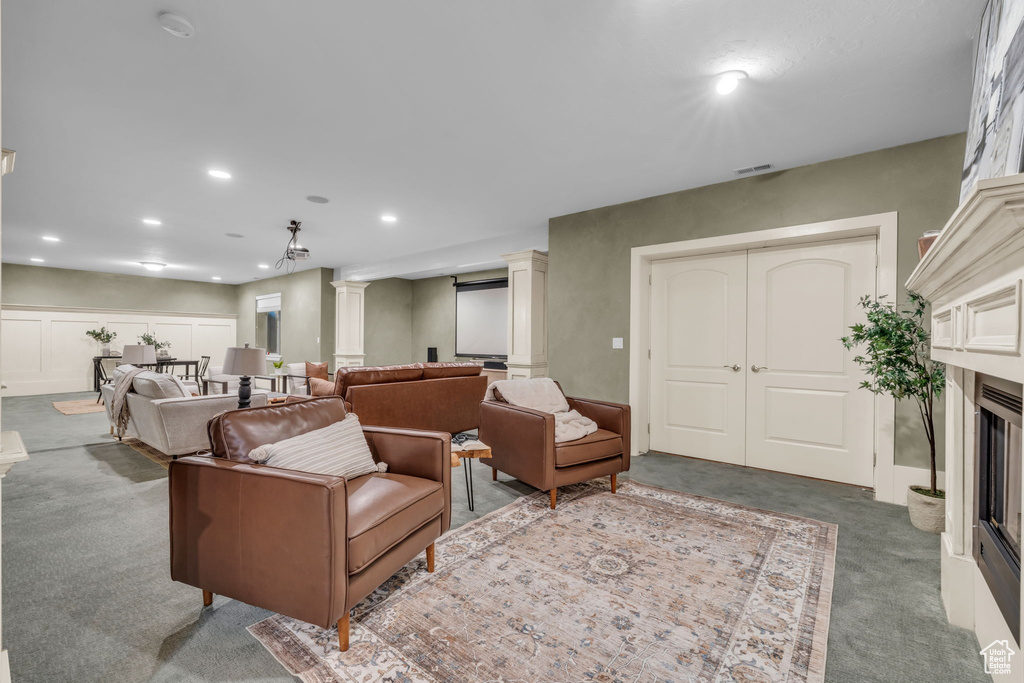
[[998, 494]]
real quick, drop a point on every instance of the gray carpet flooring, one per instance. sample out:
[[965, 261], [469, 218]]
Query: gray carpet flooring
[[87, 595]]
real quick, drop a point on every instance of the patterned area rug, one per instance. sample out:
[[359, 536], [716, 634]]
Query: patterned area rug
[[644, 585], [80, 407]]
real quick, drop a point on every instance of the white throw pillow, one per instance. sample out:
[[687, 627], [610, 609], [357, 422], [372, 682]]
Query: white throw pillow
[[339, 449], [159, 385]]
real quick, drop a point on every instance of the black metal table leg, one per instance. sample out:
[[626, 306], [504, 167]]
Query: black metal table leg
[[468, 462]]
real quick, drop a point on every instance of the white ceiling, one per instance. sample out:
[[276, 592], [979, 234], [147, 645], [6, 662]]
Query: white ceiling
[[473, 122]]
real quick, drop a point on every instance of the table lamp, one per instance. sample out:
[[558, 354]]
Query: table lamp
[[138, 354], [243, 361]]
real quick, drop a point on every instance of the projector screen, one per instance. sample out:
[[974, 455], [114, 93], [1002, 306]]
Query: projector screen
[[481, 319]]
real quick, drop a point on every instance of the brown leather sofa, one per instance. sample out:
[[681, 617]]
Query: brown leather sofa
[[309, 546], [523, 445], [443, 397]]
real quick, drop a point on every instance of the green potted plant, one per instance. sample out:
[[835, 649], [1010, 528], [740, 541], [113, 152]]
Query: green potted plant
[[104, 337], [896, 359], [150, 339], [278, 367]]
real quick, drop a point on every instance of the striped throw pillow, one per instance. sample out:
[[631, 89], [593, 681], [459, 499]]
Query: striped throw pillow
[[339, 449]]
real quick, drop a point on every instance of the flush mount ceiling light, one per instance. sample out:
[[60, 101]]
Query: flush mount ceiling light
[[293, 251], [727, 82], [151, 221], [177, 25], [50, 238], [316, 199], [152, 265], [36, 260], [388, 218], [263, 266], [215, 277], [216, 173]]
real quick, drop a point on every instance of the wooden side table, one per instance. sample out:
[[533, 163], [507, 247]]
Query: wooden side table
[[468, 450]]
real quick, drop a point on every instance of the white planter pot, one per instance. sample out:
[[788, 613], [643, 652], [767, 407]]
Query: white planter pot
[[105, 349], [926, 513]]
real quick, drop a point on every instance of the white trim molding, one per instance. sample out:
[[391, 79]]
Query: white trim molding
[[349, 313], [882, 225]]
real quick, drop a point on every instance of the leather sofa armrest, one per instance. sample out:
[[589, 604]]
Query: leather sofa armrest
[[416, 453], [615, 417], [522, 442], [246, 531]]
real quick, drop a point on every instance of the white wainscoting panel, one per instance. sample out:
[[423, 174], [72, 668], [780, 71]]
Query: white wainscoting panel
[[44, 350]]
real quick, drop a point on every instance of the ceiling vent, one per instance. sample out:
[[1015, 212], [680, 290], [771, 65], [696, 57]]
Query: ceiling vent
[[753, 169]]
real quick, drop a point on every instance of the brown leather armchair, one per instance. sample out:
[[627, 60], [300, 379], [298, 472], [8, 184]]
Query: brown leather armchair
[[309, 546], [523, 445]]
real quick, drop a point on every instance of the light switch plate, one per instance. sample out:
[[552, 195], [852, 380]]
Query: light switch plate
[[616, 342]]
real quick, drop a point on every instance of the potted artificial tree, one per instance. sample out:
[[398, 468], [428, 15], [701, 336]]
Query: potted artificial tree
[[897, 362], [104, 337]]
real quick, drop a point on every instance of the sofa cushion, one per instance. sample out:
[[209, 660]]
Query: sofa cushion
[[385, 508], [339, 449], [321, 387], [318, 370], [159, 385], [600, 444], [439, 370], [350, 377]]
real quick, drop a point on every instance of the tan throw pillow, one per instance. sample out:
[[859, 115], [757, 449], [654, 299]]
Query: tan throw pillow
[[159, 385], [318, 370], [339, 449], [321, 387]]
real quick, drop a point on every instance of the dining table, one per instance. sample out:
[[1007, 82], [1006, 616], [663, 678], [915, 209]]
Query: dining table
[[161, 365]]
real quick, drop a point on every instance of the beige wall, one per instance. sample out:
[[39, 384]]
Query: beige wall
[[302, 314], [38, 286], [589, 251], [433, 313], [387, 317]]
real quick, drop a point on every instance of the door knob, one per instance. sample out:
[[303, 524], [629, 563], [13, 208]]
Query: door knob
[[758, 368], [734, 368]]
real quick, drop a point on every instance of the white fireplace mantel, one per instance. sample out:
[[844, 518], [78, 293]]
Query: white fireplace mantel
[[972, 276]]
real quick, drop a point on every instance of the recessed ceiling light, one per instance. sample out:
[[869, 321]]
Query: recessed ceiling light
[[388, 218], [264, 266], [728, 81], [223, 175], [177, 25], [51, 238], [151, 221], [316, 199], [215, 277], [236, 235], [36, 260], [152, 265]]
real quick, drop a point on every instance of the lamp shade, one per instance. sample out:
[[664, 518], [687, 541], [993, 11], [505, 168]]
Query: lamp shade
[[245, 361], [138, 353]]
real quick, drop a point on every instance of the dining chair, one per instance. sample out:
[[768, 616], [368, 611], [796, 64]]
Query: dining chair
[[104, 377], [204, 362]]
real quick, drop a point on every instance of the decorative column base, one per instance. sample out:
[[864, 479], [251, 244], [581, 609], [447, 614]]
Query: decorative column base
[[526, 371], [342, 360]]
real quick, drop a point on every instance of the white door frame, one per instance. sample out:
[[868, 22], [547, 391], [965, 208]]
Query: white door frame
[[882, 225]]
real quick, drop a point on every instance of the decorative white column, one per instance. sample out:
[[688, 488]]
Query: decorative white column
[[348, 323], [527, 314]]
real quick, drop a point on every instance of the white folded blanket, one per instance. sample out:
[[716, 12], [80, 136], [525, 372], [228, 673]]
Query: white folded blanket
[[541, 393]]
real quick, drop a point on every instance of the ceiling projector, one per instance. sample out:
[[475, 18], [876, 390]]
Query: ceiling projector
[[298, 254]]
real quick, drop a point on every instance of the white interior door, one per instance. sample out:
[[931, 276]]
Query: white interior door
[[698, 358], [805, 412]]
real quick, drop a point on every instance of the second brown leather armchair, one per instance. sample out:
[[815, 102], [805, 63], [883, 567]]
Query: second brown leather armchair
[[310, 546], [523, 445]]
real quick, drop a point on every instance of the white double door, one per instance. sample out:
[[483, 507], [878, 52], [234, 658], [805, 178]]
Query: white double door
[[746, 362]]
